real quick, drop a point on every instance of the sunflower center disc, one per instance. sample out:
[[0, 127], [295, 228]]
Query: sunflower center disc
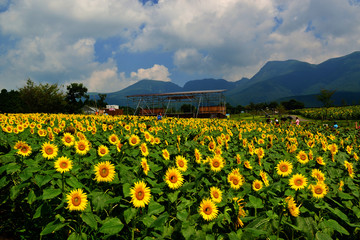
[[76, 201], [104, 172], [173, 179], [140, 195]]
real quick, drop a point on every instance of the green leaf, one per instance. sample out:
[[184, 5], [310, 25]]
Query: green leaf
[[41, 180], [255, 202], [38, 212], [155, 208], [25, 174], [15, 190], [322, 236], [89, 219], [111, 226], [160, 221], [129, 214], [31, 197], [77, 236], [331, 223], [147, 221], [12, 167], [52, 227], [74, 183], [187, 230], [99, 200], [126, 189], [182, 215], [173, 196], [3, 182], [50, 193]]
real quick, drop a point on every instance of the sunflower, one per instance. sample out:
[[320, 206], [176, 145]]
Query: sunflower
[[77, 200], [235, 180], [216, 194], [208, 209], [293, 209], [319, 190], [211, 146], [302, 157], [247, 164], [82, 147], [284, 168], [318, 175], [24, 149], [174, 178], [264, 177], [119, 146], [216, 163], [257, 185], [49, 150], [181, 163], [68, 139], [147, 136], [104, 172], [165, 154], [298, 181], [198, 156], [63, 164], [238, 158], [320, 160], [113, 139], [102, 150], [140, 194], [145, 166], [350, 168], [333, 148], [134, 140], [144, 149]]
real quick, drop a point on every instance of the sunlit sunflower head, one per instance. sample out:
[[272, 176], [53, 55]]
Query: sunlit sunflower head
[[257, 185], [238, 158], [333, 148], [68, 139], [216, 163], [77, 200], [145, 166], [144, 149], [208, 209], [174, 178], [82, 146], [284, 168], [264, 177], [320, 160], [63, 164], [319, 190], [165, 154], [294, 210], [49, 150], [350, 168], [247, 164], [260, 153], [147, 136], [356, 157], [140, 194], [235, 180], [24, 149], [181, 163], [119, 146], [212, 146], [19, 144], [102, 150], [216, 194], [104, 172], [302, 157], [134, 140], [198, 156], [218, 151], [298, 181], [113, 139], [318, 175]]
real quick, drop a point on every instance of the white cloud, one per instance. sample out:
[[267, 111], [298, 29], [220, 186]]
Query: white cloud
[[157, 72]]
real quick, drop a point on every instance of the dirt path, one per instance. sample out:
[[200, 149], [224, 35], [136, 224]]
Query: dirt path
[[300, 118]]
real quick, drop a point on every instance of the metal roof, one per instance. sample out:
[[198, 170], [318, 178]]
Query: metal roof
[[179, 93]]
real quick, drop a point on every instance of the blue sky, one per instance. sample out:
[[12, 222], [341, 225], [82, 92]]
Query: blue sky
[[109, 45]]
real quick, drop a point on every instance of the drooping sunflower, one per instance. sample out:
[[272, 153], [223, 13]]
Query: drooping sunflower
[[302, 157], [247, 164], [238, 158], [208, 209], [298, 181], [284, 168], [104, 171], [63, 164], [68, 139], [140, 194], [257, 185], [293, 209], [82, 146], [24, 150], [216, 163], [119, 146], [165, 154], [145, 166], [320, 160], [181, 163], [216, 194], [319, 190], [49, 150], [144, 149], [134, 140], [264, 177], [77, 200], [113, 139], [174, 178], [102, 150], [349, 166], [198, 156]]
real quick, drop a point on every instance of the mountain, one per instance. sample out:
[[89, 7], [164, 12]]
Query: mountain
[[275, 81]]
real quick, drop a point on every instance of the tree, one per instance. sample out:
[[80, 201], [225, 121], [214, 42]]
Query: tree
[[46, 98], [74, 95], [293, 104], [101, 102], [325, 97], [10, 101]]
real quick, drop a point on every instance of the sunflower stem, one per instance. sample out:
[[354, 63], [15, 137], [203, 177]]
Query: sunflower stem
[[62, 182], [278, 229]]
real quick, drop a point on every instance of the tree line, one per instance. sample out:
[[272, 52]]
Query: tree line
[[48, 98]]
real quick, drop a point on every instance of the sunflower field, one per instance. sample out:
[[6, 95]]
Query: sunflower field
[[128, 177], [332, 113]]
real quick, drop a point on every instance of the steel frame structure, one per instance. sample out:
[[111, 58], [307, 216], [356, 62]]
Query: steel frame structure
[[152, 104]]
